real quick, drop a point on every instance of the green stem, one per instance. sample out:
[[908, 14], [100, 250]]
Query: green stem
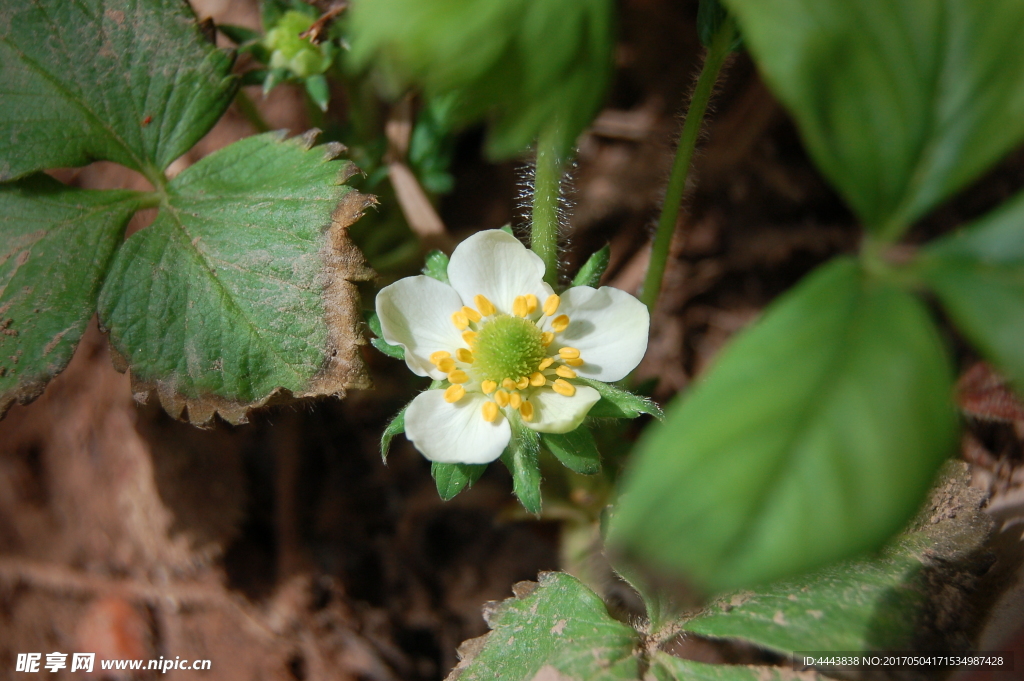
[[249, 111], [150, 199], [547, 184], [156, 177], [717, 53]]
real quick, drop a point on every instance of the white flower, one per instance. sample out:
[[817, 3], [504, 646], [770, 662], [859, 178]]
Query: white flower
[[506, 346]]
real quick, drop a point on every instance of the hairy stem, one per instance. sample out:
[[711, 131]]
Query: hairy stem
[[547, 184], [717, 53]]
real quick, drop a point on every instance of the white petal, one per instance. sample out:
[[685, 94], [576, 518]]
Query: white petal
[[554, 413], [415, 313], [455, 433], [493, 263], [608, 326]]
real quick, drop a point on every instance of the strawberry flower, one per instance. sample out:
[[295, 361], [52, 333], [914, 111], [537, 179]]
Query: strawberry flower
[[501, 345]]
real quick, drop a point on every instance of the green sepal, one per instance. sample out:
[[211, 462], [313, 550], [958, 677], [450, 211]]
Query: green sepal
[[436, 266], [373, 321], [520, 457], [393, 351], [593, 269], [576, 450], [617, 403], [507, 228], [452, 478], [318, 90], [274, 78], [395, 427]]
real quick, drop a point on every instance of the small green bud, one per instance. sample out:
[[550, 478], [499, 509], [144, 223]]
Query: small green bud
[[299, 56]]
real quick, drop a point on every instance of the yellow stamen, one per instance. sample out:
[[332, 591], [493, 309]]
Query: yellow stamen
[[547, 337], [508, 384], [436, 357], [568, 353], [537, 379], [471, 314], [545, 363], [520, 307], [515, 400], [565, 372], [560, 323], [447, 364], [551, 305], [490, 411], [464, 356], [526, 410], [531, 303], [458, 376], [488, 387], [454, 393], [469, 337], [460, 320], [564, 387], [485, 306], [523, 383], [501, 397], [578, 362]]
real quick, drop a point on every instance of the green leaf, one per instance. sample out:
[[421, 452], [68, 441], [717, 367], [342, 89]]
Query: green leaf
[[665, 667], [129, 81], [900, 103], [814, 437], [978, 274], [499, 62], [576, 450], [593, 269], [557, 625], [395, 426], [520, 457], [242, 287], [56, 244], [883, 602], [452, 478], [620, 404], [711, 18], [436, 266]]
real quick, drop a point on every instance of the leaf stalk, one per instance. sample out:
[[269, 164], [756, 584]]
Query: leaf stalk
[[717, 53]]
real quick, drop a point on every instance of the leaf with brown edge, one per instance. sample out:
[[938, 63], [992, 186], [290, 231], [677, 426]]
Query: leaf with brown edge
[[555, 628], [241, 291], [55, 246]]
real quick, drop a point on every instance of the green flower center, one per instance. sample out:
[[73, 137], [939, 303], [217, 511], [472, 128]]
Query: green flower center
[[507, 347]]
